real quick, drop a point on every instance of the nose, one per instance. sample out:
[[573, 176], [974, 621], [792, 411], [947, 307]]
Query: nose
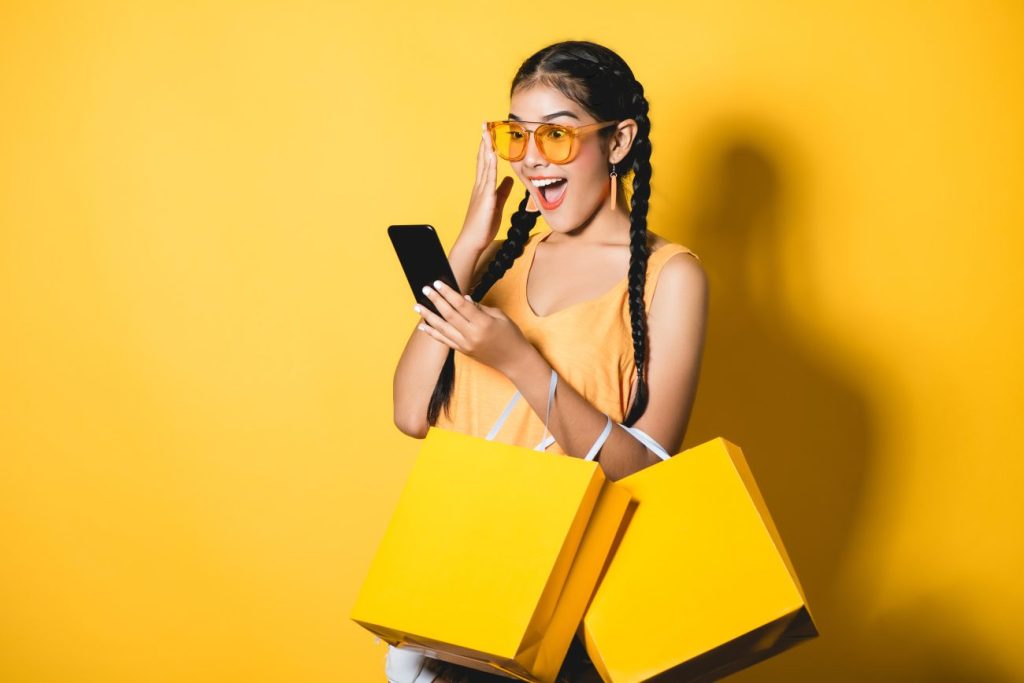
[[533, 157]]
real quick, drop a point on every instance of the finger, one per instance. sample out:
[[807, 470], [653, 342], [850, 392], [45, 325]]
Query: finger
[[463, 305], [452, 305], [481, 155], [504, 190], [450, 320], [441, 329], [431, 332], [492, 168]]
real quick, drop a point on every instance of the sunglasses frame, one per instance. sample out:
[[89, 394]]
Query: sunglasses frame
[[575, 132]]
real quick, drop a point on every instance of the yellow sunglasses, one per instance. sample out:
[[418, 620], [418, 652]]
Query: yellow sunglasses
[[557, 143]]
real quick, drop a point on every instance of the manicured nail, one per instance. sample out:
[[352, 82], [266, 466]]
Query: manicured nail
[[468, 297], [421, 328], [417, 308], [438, 284], [427, 290]]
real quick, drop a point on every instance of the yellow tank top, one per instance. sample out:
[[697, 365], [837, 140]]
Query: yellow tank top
[[589, 344]]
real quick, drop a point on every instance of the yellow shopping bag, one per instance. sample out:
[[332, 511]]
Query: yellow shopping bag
[[699, 585], [491, 554]]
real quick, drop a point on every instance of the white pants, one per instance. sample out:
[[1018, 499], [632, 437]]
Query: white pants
[[409, 666]]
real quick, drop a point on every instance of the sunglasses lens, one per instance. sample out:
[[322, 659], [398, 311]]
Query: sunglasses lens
[[509, 140], [555, 142]]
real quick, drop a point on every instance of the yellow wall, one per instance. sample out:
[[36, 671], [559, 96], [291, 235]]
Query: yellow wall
[[200, 311]]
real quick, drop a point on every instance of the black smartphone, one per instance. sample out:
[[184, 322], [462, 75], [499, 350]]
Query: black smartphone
[[423, 259]]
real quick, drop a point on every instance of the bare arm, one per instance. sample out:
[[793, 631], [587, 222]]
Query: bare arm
[[676, 330], [421, 361]]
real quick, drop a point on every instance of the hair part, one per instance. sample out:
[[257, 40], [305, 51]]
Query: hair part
[[600, 82]]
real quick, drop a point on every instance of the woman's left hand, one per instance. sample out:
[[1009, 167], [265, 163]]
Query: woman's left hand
[[483, 333]]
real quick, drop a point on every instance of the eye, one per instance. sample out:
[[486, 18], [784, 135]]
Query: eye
[[557, 133]]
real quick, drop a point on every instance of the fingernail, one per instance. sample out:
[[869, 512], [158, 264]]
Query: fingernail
[[421, 328], [427, 290], [468, 297], [416, 308], [438, 284]]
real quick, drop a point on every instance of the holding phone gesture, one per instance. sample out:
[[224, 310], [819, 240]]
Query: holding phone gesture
[[483, 333]]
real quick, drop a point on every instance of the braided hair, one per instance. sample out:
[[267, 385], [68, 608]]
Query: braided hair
[[601, 82]]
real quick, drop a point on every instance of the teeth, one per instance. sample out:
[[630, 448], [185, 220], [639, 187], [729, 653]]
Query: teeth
[[545, 182]]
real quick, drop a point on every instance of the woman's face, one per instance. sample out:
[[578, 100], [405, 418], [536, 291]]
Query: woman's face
[[586, 182]]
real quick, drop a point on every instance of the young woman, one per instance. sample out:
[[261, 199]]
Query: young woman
[[605, 366]]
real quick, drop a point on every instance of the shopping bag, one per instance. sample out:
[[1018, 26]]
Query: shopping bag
[[491, 554], [699, 585]]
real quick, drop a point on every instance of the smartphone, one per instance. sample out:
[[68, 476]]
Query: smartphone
[[423, 259]]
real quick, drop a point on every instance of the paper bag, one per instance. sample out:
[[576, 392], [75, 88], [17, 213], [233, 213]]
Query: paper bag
[[491, 555], [699, 585]]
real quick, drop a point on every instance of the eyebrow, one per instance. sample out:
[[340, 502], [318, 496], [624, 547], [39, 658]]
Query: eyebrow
[[513, 117]]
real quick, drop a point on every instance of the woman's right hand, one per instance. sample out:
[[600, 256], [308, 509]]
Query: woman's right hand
[[486, 203]]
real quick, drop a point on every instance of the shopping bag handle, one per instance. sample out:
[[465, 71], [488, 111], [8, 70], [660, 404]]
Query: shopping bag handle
[[549, 439], [640, 435]]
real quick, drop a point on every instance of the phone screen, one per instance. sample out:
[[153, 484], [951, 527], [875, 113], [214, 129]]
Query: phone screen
[[423, 259]]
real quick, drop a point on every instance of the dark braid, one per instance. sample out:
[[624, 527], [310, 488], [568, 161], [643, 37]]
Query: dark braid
[[513, 247], [518, 234], [638, 250], [602, 83]]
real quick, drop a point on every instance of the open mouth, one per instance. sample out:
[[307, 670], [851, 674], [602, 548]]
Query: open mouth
[[552, 193]]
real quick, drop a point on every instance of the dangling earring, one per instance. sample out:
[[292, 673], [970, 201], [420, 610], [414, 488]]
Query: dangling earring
[[530, 205], [615, 183]]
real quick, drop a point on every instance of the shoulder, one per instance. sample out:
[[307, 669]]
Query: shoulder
[[655, 242], [683, 262], [682, 271], [681, 279]]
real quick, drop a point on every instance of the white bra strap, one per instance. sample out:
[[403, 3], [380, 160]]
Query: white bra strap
[[640, 436]]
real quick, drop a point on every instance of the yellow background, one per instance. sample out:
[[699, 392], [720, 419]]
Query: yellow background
[[200, 312]]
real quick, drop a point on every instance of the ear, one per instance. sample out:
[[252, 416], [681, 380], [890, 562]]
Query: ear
[[621, 140]]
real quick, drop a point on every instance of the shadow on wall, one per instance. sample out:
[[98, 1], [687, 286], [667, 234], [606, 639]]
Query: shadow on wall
[[800, 417], [928, 641]]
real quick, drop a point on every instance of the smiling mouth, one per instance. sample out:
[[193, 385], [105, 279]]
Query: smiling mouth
[[551, 196]]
